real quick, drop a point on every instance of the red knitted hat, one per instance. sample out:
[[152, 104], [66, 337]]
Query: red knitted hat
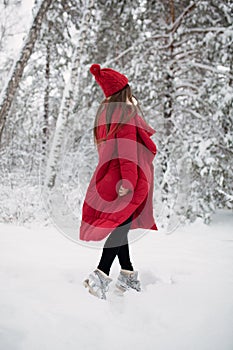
[[108, 79]]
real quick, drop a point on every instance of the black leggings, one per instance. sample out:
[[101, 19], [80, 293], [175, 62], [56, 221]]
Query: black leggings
[[117, 245]]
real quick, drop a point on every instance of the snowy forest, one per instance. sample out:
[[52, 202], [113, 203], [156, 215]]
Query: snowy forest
[[178, 56]]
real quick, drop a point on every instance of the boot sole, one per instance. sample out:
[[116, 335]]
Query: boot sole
[[91, 291], [122, 289], [125, 289]]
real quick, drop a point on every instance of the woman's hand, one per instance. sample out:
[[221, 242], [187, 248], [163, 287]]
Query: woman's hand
[[123, 191]]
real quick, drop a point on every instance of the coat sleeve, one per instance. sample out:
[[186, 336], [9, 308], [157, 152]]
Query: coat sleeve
[[127, 154]]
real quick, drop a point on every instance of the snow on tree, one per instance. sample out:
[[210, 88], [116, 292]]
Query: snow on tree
[[18, 67]]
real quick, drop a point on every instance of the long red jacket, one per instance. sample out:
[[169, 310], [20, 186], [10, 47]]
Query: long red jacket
[[125, 158]]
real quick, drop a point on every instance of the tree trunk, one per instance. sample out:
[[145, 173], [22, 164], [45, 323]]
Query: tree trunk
[[17, 70], [71, 87], [168, 103], [45, 128]]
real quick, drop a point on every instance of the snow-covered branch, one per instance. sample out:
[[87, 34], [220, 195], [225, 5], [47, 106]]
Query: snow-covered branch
[[204, 30], [209, 68], [134, 47], [186, 86], [229, 150], [227, 195], [123, 53], [179, 19]]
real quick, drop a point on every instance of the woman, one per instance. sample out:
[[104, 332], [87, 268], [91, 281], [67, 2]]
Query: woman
[[119, 196]]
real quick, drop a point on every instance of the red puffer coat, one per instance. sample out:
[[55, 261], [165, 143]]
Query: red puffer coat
[[125, 158]]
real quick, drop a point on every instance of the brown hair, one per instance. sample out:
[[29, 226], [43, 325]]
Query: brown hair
[[119, 99]]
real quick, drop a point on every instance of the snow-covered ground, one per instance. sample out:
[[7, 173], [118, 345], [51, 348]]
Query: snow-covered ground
[[186, 302]]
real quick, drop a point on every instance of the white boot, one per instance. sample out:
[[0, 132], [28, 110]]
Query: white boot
[[128, 280], [98, 283]]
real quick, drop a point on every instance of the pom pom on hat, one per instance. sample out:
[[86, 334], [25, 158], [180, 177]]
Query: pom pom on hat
[[95, 69], [108, 79]]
